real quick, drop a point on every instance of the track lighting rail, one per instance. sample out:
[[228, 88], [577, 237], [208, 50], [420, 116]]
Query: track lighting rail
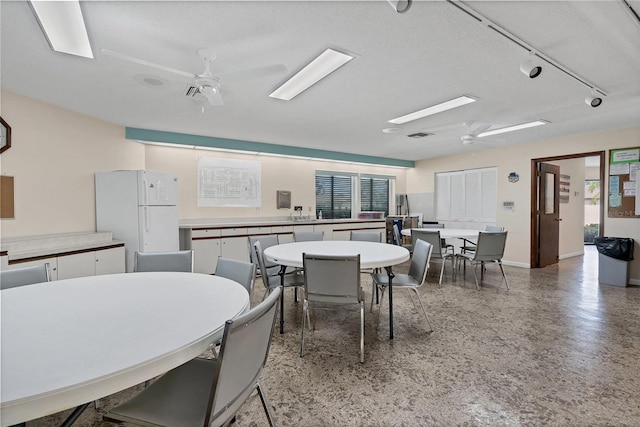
[[531, 49]]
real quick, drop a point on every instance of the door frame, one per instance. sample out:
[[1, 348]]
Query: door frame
[[534, 259]]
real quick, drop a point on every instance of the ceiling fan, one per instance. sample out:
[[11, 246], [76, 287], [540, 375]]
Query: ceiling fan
[[473, 130], [206, 85]]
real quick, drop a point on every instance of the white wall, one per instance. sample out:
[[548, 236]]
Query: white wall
[[278, 173], [53, 157], [518, 159]]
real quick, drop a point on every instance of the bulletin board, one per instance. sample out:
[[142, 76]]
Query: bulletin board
[[624, 169]]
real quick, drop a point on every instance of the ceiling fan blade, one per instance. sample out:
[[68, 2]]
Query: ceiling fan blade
[[213, 95], [147, 63], [481, 128], [254, 73]]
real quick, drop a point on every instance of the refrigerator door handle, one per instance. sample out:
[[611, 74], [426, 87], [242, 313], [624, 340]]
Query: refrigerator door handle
[[147, 219], [145, 184]]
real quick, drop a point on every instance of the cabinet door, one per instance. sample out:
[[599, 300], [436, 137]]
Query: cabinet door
[[235, 248], [77, 265], [110, 261], [205, 255]]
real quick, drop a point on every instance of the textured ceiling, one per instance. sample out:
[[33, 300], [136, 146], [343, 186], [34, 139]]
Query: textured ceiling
[[404, 62]]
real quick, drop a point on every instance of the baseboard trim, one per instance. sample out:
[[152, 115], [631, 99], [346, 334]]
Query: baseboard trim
[[516, 264], [571, 255]]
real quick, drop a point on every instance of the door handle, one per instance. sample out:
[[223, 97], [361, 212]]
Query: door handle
[[558, 219]]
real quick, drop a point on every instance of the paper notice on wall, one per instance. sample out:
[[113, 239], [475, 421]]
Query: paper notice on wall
[[633, 171], [228, 183], [615, 200], [614, 184], [619, 169], [637, 198]]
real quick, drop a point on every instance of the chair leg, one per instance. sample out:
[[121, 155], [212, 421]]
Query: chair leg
[[475, 276], [503, 275], [305, 312], [374, 290], [441, 273], [380, 305], [265, 405], [423, 310], [361, 331]]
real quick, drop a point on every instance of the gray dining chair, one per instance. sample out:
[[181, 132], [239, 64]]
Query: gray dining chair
[[332, 280], [470, 246], [366, 236], [25, 276], [308, 236], [397, 238], [180, 261], [412, 281], [446, 246], [274, 280], [242, 272], [490, 249], [438, 253], [265, 242], [209, 392]]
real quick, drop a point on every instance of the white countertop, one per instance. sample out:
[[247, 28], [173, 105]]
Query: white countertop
[[266, 222], [52, 244]]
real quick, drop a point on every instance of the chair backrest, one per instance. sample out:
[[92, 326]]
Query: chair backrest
[[181, 261], [490, 246], [397, 237], [265, 242], [420, 260], [435, 225], [24, 276], [493, 228], [242, 272], [429, 236], [332, 279], [366, 236], [307, 236], [243, 354], [270, 279]]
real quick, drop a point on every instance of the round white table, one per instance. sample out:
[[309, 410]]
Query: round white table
[[68, 342], [448, 233], [372, 255]]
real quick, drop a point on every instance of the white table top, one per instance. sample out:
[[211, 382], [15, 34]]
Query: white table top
[[68, 342], [448, 233], [372, 255]]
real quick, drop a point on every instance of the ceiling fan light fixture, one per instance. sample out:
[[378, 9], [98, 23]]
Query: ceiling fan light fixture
[[323, 65], [513, 128], [434, 109], [63, 26]]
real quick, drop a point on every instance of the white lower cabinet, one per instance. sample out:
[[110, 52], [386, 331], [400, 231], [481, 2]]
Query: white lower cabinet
[[110, 261], [82, 264], [92, 263], [205, 255], [77, 265]]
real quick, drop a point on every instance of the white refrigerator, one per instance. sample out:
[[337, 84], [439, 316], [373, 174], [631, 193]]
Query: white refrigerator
[[139, 207]]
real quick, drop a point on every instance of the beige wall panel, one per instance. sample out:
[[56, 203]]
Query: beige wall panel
[[53, 157]]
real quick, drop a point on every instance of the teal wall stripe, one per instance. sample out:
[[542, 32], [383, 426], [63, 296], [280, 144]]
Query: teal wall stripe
[[260, 147]]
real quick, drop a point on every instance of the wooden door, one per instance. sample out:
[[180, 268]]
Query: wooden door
[[548, 214]]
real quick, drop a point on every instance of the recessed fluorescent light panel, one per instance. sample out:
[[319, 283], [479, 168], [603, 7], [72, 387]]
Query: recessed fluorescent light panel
[[63, 26], [326, 63], [439, 108], [512, 128]]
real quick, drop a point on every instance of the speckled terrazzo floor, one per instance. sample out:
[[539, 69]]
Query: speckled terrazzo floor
[[558, 349]]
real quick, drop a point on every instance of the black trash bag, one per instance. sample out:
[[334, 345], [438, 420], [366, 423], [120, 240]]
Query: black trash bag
[[615, 247]]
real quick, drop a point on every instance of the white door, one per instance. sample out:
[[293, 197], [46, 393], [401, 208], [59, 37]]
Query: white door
[[157, 189], [158, 228]]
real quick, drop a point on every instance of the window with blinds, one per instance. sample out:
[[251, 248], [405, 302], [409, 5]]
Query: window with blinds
[[374, 195], [333, 196]]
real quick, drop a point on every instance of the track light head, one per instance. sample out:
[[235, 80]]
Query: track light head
[[400, 6], [593, 101], [530, 68]]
